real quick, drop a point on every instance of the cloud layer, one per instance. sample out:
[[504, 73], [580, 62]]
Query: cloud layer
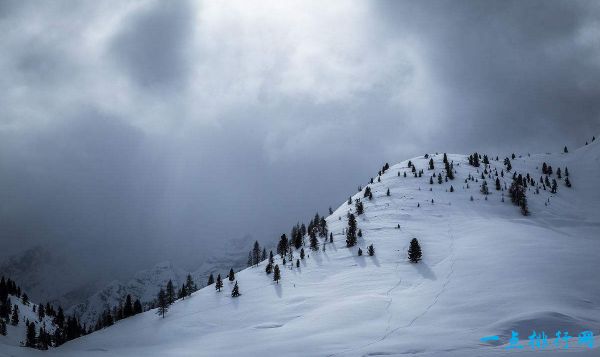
[[171, 127]]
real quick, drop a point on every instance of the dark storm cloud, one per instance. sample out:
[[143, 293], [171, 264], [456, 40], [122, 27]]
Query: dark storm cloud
[[167, 128], [152, 44], [511, 68]]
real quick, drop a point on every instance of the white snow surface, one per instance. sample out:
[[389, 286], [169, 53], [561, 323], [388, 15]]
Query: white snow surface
[[486, 270]]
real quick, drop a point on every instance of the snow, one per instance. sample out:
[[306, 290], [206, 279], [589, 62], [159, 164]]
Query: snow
[[15, 335], [486, 270]]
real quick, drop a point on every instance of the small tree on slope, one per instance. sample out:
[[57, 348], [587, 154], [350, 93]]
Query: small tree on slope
[[236, 290], [276, 274], [163, 304], [414, 251]]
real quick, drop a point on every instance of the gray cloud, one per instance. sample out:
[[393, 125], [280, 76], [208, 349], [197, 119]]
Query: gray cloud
[[153, 43], [170, 127]]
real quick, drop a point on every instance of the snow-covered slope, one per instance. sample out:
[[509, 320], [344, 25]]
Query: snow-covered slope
[[486, 270], [15, 335]]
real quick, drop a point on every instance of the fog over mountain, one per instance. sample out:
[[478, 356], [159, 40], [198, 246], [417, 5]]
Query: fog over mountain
[[138, 132]]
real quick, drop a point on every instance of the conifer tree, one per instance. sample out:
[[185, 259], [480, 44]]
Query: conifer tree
[[566, 171], [554, 186], [360, 252], [269, 268], [414, 251], [282, 246], [30, 336], [170, 291], [451, 188], [351, 231], [256, 253], [431, 167], [219, 284], [330, 237], [190, 285], [302, 253], [128, 307], [2, 327], [314, 242], [359, 208], [236, 290], [498, 187], [14, 320], [297, 263], [276, 274], [431, 180], [232, 274], [211, 280], [41, 312], [567, 182], [388, 192], [484, 188], [137, 307], [162, 302], [371, 250], [566, 150], [440, 179]]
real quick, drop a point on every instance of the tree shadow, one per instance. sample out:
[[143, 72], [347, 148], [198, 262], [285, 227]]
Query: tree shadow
[[359, 260], [278, 289], [424, 270], [375, 260], [318, 258]]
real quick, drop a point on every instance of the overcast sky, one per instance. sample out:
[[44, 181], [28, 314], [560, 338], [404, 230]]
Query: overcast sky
[[168, 127]]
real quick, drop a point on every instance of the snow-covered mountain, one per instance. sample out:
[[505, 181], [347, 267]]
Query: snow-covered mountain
[[486, 270], [47, 276], [146, 283]]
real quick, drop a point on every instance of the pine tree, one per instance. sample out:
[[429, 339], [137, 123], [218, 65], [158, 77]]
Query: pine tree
[[128, 308], [314, 242], [359, 234], [484, 188], [276, 274], [351, 231], [431, 180], [297, 263], [137, 307], [219, 284], [232, 274], [170, 291], [554, 186], [211, 280], [41, 312], [414, 251], [256, 253], [190, 285], [162, 302], [371, 250], [498, 187], [359, 252], [330, 237], [439, 179], [388, 192], [14, 320], [2, 327], [269, 268], [302, 253], [567, 182], [359, 208], [451, 188], [282, 246], [431, 167], [236, 290], [30, 337], [566, 150], [566, 171], [249, 263]]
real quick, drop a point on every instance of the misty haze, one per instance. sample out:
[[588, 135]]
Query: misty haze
[[339, 178]]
